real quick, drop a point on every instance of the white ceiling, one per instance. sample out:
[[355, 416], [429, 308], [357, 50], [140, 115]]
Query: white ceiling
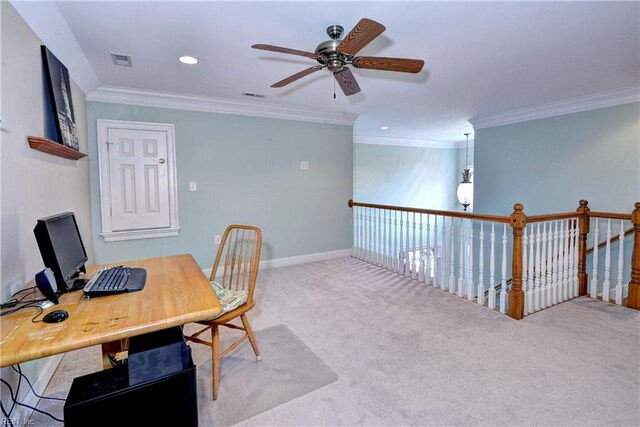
[[481, 58]]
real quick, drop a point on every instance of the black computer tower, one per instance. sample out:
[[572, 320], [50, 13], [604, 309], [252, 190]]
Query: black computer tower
[[106, 398]]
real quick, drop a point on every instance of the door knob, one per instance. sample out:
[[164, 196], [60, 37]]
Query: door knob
[[161, 161]]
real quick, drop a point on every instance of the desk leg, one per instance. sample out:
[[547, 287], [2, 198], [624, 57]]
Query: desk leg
[[114, 349]]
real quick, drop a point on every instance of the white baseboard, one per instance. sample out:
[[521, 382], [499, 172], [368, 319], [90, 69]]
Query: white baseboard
[[295, 260], [21, 414]]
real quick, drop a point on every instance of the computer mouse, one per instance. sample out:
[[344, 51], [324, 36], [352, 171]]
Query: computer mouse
[[56, 316]]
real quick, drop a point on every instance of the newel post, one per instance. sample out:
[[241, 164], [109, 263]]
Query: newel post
[[633, 300], [583, 224], [516, 295]]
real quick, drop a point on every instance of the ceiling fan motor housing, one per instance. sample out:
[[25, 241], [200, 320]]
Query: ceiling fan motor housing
[[328, 53]]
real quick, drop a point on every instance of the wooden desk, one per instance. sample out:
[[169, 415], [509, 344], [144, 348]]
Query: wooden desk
[[176, 292]]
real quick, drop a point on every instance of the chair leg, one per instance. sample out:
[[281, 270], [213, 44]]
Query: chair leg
[[252, 339], [215, 362]]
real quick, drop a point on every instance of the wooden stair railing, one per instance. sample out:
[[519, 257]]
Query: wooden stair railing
[[575, 241]]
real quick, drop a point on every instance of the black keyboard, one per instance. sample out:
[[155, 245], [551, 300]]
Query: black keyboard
[[116, 280]]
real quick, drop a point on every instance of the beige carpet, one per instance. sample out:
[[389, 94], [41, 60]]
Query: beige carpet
[[409, 354]]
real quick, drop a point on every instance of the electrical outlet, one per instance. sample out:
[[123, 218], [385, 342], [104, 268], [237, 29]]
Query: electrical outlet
[[304, 165], [217, 239], [193, 186]]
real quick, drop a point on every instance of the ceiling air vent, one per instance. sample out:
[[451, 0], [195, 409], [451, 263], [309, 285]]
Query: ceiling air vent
[[253, 95], [121, 60]]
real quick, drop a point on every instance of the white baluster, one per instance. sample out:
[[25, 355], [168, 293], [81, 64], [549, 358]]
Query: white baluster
[[530, 274], [443, 255], [525, 271], [594, 272], [401, 248], [556, 255], [383, 239], [565, 262], [549, 266], [407, 265], [620, 264], [359, 233], [367, 240], [436, 264], [427, 258], [414, 251], [571, 259], [576, 248], [461, 260], [390, 242], [492, 269], [395, 241], [379, 240], [470, 288], [543, 267], [562, 267], [481, 266], [503, 281], [418, 254], [372, 236], [607, 265], [452, 277], [536, 290]]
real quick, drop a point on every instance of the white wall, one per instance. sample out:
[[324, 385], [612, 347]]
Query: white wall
[[34, 184]]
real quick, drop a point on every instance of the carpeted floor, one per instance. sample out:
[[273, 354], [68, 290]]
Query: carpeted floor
[[409, 354]]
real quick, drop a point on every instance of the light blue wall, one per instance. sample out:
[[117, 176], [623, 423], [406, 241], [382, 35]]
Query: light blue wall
[[407, 176], [550, 164], [247, 170]]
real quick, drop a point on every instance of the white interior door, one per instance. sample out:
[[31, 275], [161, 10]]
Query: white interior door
[[139, 179]]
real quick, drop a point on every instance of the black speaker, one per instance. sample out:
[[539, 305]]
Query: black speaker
[[46, 283]]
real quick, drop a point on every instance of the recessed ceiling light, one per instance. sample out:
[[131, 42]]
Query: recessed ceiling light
[[384, 127], [188, 60]]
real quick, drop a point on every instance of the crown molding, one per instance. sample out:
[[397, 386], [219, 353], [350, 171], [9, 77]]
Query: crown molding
[[593, 101], [410, 142], [179, 101]]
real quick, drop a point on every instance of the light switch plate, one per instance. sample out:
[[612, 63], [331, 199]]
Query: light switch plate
[[304, 165], [193, 186]]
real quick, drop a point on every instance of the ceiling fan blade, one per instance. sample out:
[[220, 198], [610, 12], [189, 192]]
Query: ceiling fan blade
[[361, 35], [284, 50], [347, 82], [404, 65], [297, 76]]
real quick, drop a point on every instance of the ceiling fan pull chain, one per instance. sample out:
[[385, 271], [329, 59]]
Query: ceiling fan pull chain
[[334, 88]]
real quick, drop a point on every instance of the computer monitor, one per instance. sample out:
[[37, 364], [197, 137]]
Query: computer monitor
[[62, 249]]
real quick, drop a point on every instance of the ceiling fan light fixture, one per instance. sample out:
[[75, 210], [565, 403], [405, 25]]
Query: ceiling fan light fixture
[[189, 60], [384, 127]]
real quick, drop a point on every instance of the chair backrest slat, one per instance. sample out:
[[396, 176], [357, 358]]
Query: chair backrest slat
[[240, 253]]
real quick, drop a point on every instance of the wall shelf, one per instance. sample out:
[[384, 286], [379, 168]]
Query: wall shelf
[[51, 147]]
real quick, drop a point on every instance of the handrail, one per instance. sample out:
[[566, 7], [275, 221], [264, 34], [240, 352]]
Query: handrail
[[550, 217], [613, 240], [480, 217], [610, 215]]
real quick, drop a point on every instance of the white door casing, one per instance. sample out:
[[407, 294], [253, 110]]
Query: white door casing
[[137, 180]]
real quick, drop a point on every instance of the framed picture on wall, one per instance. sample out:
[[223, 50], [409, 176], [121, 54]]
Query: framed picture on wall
[[59, 85]]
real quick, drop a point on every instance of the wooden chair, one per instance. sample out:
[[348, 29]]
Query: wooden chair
[[233, 277]]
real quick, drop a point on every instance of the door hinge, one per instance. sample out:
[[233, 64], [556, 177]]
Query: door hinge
[[108, 144], [111, 211]]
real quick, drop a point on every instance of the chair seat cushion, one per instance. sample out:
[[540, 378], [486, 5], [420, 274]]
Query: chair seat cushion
[[229, 300]]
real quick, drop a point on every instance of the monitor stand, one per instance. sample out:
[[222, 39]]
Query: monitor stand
[[76, 284]]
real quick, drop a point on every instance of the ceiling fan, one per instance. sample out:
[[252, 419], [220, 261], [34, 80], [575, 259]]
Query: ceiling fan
[[335, 54]]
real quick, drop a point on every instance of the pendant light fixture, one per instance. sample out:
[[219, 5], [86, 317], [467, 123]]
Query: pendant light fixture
[[465, 188]]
